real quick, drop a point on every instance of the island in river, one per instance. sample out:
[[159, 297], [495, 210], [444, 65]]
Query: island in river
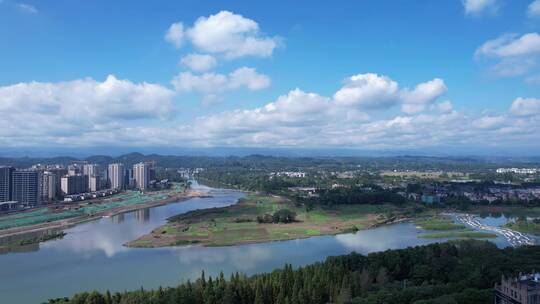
[[245, 222]]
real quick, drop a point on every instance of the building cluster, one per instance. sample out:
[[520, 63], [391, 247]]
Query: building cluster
[[524, 289], [288, 174], [436, 193], [42, 184], [518, 170]]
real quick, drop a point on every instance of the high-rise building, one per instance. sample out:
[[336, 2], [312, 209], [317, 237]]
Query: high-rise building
[[128, 178], [116, 176], [25, 186], [94, 183], [6, 176], [90, 169], [74, 184], [47, 186], [58, 173], [141, 174], [74, 170], [93, 173]]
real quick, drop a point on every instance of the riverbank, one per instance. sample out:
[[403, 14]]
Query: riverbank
[[46, 218], [245, 223]]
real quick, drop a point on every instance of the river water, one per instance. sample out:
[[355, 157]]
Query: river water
[[91, 255]]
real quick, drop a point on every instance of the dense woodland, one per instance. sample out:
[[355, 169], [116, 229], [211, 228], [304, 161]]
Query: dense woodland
[[459, 272]]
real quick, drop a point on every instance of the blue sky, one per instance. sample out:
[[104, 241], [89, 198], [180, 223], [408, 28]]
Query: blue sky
[[309, 74]]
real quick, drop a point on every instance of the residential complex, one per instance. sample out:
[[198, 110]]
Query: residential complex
[[524, 289], [25, 187]]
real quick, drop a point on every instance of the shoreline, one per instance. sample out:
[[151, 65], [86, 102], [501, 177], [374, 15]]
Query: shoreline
[[71, 222]]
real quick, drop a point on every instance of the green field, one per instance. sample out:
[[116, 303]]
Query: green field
[[238, 224], [438, 223]]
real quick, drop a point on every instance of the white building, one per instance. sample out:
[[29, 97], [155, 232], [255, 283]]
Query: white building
[[94, 183], [141, 175], [116, 176]]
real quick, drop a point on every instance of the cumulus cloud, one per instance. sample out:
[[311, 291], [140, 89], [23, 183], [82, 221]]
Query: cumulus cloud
[[227, 34], [489, 122], [525, 106], [231, 35], [371, 91], [72, 108], [210, 82], [511, 55], [424, 94], [478, 7], [175, 34], [444, 107], [120, 112], [199, 62], [533, 10]]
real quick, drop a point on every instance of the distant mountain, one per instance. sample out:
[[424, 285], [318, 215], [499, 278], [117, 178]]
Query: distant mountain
[[269, 161]]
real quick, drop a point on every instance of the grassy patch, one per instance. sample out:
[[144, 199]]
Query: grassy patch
[[438, 223]]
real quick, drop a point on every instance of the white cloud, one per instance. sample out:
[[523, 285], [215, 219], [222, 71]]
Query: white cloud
[[510, 45], [444, 107], [175, 34], [371, 91], [525, 106], [511, 55], [70, 109], [199, 62], [510, 67], [209, 83], [87, 112], [533, 9], [228, 34], [423, 95], [27, 8], [249, 78], [489, 122], [478, 7]]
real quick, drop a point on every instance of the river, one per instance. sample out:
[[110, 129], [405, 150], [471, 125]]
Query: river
[[91, 255]]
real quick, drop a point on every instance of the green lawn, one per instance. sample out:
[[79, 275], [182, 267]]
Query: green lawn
[[438, 223]]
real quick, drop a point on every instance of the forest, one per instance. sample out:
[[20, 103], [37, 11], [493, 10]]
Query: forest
[[461, 272]]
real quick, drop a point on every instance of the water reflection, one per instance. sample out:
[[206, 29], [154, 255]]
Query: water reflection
[[382, 238], [91, 256], [117, 219], [142, 215]]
